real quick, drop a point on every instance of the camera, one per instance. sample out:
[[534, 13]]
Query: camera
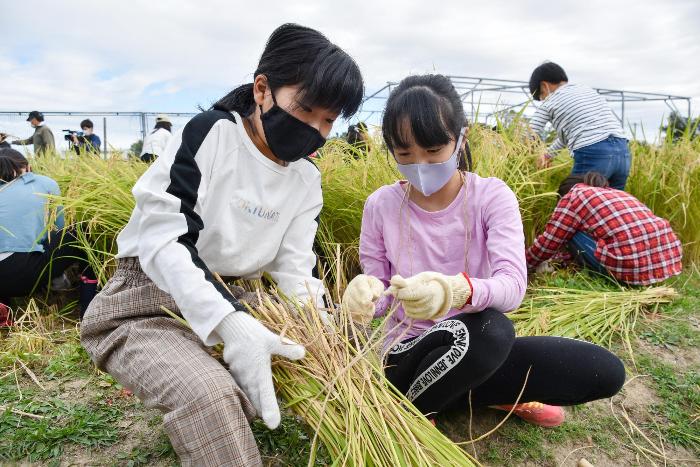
[[71, 133]]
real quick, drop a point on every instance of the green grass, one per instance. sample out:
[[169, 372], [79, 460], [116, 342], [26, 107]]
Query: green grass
[[681, 321], [679, 411], [68, 360], [149, 451], [90, 425], [289, 444]]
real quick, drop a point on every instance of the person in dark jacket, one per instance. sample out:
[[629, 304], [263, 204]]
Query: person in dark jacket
[[42, 139]]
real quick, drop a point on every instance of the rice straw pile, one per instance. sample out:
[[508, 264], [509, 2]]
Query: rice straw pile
[[340, 391], [594, 315]]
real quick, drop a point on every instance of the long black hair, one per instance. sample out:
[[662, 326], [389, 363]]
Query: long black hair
[[296, 55], [11, 164], [165, 125], [429, 106]]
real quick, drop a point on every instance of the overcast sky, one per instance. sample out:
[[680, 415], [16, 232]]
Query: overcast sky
[[175, 55]]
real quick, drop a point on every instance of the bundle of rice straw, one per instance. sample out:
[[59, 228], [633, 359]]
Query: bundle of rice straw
[[594, 315], [340, 391]]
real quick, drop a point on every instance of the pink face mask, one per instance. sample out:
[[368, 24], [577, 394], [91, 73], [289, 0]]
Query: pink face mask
[[430, 178]]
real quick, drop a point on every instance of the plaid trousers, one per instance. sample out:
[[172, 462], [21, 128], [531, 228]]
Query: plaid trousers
[[168, 367]]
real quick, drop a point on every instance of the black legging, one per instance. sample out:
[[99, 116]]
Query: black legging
[[21, 273], [479, 352]]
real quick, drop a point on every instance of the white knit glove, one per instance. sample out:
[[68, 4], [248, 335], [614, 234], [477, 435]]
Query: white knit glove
[[360, 296], [430, 295], [248, 347]]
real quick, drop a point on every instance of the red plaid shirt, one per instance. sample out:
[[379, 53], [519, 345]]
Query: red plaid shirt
[[633, 244]]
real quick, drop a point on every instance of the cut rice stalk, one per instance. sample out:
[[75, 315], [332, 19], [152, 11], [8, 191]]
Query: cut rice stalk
[[340, 390], [594, 315]]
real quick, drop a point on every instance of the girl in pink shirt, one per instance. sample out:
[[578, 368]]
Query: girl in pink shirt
[[446, 249]]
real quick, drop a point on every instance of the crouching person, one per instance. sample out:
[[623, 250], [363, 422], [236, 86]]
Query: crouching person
[[609, 231], [33, 252], [448, 246], [233, 193]]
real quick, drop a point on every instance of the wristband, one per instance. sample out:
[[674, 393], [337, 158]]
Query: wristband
[[471, 289]]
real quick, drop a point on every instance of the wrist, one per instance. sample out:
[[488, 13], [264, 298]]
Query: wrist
[[236, 326], [461, 290]]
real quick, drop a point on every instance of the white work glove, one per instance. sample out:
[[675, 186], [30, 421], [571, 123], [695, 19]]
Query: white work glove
[[430, 295], [248, 348], [360, 296]]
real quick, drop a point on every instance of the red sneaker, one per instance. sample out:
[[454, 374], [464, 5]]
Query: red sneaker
[[5, 319], [537, 413]]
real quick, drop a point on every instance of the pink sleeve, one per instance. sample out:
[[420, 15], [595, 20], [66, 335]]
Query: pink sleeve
[[373, 251], [505, 243]]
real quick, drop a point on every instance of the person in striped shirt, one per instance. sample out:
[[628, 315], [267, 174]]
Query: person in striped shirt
[[609, 231], [584, 122]]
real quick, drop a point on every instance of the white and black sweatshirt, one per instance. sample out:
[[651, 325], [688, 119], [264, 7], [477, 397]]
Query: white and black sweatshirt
[[213, 202]]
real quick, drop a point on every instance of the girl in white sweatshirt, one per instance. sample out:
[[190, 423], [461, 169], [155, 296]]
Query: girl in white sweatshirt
[[233, 193]]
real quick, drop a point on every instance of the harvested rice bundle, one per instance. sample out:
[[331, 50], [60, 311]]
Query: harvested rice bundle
[[339, 389], [594, 315]]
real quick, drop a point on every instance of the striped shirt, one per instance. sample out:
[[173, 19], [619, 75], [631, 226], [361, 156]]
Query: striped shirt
[[580, 116]]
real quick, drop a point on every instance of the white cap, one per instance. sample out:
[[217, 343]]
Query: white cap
[[162, 118]]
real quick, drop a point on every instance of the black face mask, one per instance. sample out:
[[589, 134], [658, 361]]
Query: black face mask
[[289, 138]]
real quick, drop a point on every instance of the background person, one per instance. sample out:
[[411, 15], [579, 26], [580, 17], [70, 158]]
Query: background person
[[32, 253], [3, 141], [88, 142], [156, 141], [609, 231], [584, 122], [42, 139]]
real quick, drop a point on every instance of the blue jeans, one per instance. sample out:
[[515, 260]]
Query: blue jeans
[[582, 247], [610, 158]]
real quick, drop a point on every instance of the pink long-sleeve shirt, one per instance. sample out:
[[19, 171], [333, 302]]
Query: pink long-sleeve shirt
[[496, 253]]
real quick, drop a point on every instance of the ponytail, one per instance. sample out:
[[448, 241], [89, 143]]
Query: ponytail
[[240, 100], [595, 179]]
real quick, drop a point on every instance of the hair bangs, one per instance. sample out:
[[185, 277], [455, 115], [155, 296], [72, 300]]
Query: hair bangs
[[416, 115], [333, 82]]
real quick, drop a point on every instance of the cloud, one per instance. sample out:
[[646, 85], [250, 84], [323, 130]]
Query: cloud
[[111, 55]]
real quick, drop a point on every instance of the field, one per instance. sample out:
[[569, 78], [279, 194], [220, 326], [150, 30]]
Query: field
[[57, 409]]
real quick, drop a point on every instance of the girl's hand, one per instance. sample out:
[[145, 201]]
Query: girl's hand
[[430, 295], [360, 297], [248, 349]]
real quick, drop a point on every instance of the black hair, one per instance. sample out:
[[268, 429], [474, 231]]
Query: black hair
[[11, 164], [548, 71], [355, 133], [594, 179], [296, 55], [428, 109], [87, 123], [166, 125]]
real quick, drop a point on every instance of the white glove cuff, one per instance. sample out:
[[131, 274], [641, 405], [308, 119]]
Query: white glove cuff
[[461, 290], [237, 325]]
